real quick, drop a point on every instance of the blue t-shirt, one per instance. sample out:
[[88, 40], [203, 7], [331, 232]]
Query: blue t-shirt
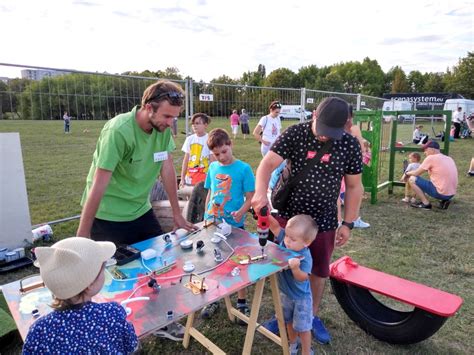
[[294, 289], [228, 185], [93, 328]]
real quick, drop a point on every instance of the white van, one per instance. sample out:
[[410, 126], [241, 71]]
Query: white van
[[397, 105], [293, 112], [453, 104]]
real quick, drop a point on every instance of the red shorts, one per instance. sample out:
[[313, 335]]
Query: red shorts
[[321, 250]]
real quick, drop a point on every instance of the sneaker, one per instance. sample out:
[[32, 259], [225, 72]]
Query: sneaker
[[421, 205], [173, 331], [294, 349], [406, 199], [272, 325], [470, 173], [413, 200], [444, 204], [242, 308], [359, 223], [320, 332], [208, 311]]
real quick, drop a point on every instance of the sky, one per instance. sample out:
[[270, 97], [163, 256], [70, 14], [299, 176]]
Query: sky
[[208, 38]]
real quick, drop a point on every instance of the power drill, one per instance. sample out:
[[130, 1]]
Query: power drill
[[262, 227]]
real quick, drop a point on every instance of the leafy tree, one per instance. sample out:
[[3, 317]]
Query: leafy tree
[[434, 82], [461, 78], [416, 81], [281, 77], [396, 80]]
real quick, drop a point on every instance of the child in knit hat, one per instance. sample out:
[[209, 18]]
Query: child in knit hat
[[73, 270]]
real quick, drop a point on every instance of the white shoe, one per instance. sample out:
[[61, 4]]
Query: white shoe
[[359, 223], [173, 331]]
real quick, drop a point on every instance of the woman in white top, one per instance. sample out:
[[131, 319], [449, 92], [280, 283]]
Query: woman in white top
[[268, 128]]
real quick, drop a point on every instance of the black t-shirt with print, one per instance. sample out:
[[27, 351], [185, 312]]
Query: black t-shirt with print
[[316, 195]]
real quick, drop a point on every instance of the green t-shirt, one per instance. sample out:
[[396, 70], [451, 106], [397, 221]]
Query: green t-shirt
[[134, 158]]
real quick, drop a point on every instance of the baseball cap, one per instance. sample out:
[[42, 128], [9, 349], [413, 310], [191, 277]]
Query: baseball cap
[[431, 144], [331, 116], [69, 266]]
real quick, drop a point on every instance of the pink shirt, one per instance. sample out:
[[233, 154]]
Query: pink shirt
[[443, 173], [234, 119]]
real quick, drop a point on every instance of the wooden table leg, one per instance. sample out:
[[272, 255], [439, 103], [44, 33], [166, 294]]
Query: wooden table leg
[[187, 335], [279, 313], [252, 324], [228, 307]]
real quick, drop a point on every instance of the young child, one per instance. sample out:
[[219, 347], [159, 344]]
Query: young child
[[414, 159], [197, 155], [73, 270], [418, 137], [231, 185], [366, 153], [295, 290]]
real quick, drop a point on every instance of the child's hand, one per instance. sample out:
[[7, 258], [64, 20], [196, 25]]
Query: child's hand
[[293, 263], [237, 215]]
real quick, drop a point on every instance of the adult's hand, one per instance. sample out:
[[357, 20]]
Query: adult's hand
[[180, 222], [342, 235], [259, 200]]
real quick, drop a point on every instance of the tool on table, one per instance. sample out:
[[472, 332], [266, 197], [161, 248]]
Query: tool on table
[[263, 227]]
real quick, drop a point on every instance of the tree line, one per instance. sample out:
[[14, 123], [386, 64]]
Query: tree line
[[87, 96]]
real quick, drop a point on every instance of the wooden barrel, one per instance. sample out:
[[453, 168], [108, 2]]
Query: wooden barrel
[[164, 213]]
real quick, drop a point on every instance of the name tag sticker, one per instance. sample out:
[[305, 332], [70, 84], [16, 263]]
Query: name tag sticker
[[160, 156]]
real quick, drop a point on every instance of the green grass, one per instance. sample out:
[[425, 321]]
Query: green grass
[[431, 247]]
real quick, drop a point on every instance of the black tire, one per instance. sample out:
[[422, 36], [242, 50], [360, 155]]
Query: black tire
[[385, 323], [197, 204]]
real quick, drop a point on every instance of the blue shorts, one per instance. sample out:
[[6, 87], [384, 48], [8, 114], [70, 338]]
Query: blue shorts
[[300, 312], [427, 187]]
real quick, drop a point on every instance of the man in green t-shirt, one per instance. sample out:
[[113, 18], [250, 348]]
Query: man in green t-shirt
[[133, 148]]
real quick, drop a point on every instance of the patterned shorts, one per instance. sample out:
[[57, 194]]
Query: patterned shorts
[[300, 312]]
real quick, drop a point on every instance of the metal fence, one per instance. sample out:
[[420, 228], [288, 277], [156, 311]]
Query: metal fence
[[100, 96]]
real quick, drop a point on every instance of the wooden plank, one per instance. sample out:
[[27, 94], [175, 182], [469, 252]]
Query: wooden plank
[[252, 322], [279, 313]]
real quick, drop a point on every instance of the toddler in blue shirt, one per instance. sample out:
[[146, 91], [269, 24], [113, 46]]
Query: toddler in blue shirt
[[295, 290]]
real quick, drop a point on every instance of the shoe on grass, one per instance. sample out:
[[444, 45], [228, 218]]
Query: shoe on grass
[[320, 332], [444, 204], [421, 205], [173, 331], [294, 349], [243, 308], [208, 311], [272, 325], [359, 223], [406, 199]]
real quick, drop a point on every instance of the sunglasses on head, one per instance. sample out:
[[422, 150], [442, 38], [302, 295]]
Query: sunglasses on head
[[275, 105], [174, 96]]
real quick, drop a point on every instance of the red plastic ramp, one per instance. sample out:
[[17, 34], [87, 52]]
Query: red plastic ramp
[[432, 300]]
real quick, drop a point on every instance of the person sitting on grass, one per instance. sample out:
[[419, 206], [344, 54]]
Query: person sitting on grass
[[231, 184], [418, 137], [414, 159], [295, 290], [73, 270], [443, 178]]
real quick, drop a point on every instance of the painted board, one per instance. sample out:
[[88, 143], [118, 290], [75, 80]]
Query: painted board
[[148, 316]]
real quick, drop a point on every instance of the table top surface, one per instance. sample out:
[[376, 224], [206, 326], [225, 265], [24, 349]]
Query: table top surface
[[173, 294]]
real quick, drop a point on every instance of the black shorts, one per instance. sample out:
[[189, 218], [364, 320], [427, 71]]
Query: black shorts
[[142, 228]]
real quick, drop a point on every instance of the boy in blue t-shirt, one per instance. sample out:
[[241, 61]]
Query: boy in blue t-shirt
[[231, 185], [295, 290]]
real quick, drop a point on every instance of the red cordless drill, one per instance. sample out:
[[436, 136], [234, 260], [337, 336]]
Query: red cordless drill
[[262, 227]]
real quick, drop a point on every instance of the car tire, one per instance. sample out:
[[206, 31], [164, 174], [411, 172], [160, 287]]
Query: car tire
[[197, 204], [385, 323]]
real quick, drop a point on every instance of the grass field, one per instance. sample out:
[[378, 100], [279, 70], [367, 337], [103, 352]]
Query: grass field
[[431, 247]]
